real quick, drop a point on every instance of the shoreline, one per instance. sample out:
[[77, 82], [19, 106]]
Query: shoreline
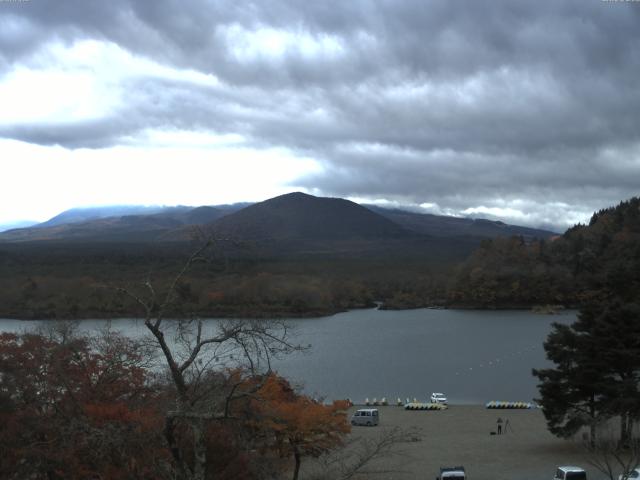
[[284, 315], [461, 435]]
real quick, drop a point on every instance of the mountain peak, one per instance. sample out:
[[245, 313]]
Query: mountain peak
[[295, 195], [303, 216]]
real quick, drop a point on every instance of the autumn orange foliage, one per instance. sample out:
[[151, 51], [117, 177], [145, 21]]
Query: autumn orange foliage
[[79, 408], [300, 425], [69, 411]]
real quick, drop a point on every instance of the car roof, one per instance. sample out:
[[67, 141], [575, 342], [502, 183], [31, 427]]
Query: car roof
[[571, 468], [367, 410], [451, 469]]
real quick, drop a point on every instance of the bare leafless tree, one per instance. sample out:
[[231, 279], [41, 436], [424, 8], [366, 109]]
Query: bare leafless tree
[[611, 457], [364, 457], [191, 350]]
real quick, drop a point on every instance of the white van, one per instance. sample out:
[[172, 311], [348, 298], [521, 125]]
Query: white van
[[365, 416]]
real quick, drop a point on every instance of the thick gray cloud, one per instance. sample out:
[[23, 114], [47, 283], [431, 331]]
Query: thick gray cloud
[[525, 109]]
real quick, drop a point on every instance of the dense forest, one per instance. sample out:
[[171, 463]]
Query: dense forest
[[81, 282], [566, 270], [63, 279]]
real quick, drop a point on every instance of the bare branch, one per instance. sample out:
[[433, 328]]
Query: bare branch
[[357, 457], [191, 352], [171, 292], [140, 301], [609, 456]]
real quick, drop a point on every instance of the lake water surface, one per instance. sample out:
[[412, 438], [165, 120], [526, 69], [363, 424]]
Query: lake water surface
[[472, 356]]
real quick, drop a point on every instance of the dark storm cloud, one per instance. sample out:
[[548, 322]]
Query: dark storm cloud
[[528, 106]]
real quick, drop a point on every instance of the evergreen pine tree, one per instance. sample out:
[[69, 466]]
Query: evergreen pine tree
[[572, 392]]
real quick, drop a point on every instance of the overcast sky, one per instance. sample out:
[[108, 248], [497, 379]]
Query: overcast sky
[[525, 110]]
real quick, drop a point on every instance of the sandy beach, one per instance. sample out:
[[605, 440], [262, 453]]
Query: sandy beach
[[461, 435]]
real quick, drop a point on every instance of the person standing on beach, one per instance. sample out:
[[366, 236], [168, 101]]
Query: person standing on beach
[[499, 422]]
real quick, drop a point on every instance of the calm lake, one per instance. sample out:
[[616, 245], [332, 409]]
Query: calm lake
[[472, 356]]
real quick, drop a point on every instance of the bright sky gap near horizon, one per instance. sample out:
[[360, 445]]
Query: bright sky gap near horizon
[[524, 111]]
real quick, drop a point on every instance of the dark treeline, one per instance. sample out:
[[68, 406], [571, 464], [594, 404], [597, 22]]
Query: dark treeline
[[61, 280], [567, 270], [77, 280]]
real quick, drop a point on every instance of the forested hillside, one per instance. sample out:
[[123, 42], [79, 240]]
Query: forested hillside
[[292, 255], [566, 270], [297, 265]]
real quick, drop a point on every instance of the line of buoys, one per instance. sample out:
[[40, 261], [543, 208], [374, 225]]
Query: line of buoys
[[425, 406], [501, 405]]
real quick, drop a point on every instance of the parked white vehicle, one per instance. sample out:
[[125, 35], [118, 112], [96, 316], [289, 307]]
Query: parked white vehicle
[[635, 473], [452, 473], [570, 473], [365, 416], [438, 398]]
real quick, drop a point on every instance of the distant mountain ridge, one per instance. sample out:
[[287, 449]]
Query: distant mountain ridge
[[445, 226], [138, 224], [293, 216], [303, 255], [78, 215], [17, 224]]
